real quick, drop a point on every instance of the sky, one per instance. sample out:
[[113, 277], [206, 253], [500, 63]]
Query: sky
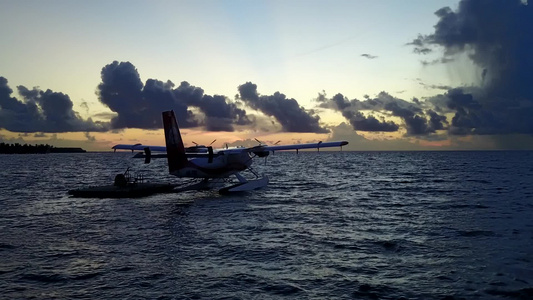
[[383, 75]]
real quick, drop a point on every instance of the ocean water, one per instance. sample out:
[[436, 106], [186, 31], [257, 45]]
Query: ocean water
[[330, 225]]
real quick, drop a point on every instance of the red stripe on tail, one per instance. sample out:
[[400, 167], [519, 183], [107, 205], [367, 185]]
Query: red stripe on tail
[[175, 148]]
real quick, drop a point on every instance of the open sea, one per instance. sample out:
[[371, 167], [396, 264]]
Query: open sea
[[330, 225]]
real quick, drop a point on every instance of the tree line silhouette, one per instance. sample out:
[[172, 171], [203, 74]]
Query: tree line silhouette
[[17, 148]]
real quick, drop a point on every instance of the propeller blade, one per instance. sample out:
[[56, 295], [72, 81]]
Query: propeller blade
[[148, 156], [210, 157]]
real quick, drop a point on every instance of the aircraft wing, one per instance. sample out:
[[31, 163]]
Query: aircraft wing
[[266, 148], [259, 148], [139, 147], [305, 146]]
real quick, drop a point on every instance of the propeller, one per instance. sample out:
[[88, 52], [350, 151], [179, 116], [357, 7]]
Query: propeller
[[198, 145]]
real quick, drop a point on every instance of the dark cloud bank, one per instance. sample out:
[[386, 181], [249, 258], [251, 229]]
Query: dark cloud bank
[[140, 106], [416, 121], [497, 35], [292, 116], [40, 111]]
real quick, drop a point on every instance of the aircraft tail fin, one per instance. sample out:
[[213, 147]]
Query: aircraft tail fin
[[175, 149]]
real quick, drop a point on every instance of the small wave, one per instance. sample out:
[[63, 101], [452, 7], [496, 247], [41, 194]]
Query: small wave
[[439, 180], [155, 276], [346, 247], [246, 278], [526, 293], [283, 289], [467, 206], [86, 276], [6, 246], [475, 233], [478, 181], [50, 278], [389, 245], [367, 291], [125, 269]]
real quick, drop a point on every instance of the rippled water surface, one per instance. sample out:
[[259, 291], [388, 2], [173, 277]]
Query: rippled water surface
[[337, 225]]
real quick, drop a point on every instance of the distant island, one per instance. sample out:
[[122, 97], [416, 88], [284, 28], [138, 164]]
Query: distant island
[[36, 149]]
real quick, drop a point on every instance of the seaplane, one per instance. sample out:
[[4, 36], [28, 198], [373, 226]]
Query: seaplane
[[214, 168]]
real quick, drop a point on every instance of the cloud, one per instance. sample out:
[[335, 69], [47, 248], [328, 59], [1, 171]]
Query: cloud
[[369, 56], [89, 137], [85, 106], [40, 135], [415, 119], [350, 110], [442, 60], [420, 45], [220, 113], [105, 115], [41, 111], [137, 105], [344, 132], [370, 123], [497, 35], [140, 105], [291, 116], [433, 86]]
